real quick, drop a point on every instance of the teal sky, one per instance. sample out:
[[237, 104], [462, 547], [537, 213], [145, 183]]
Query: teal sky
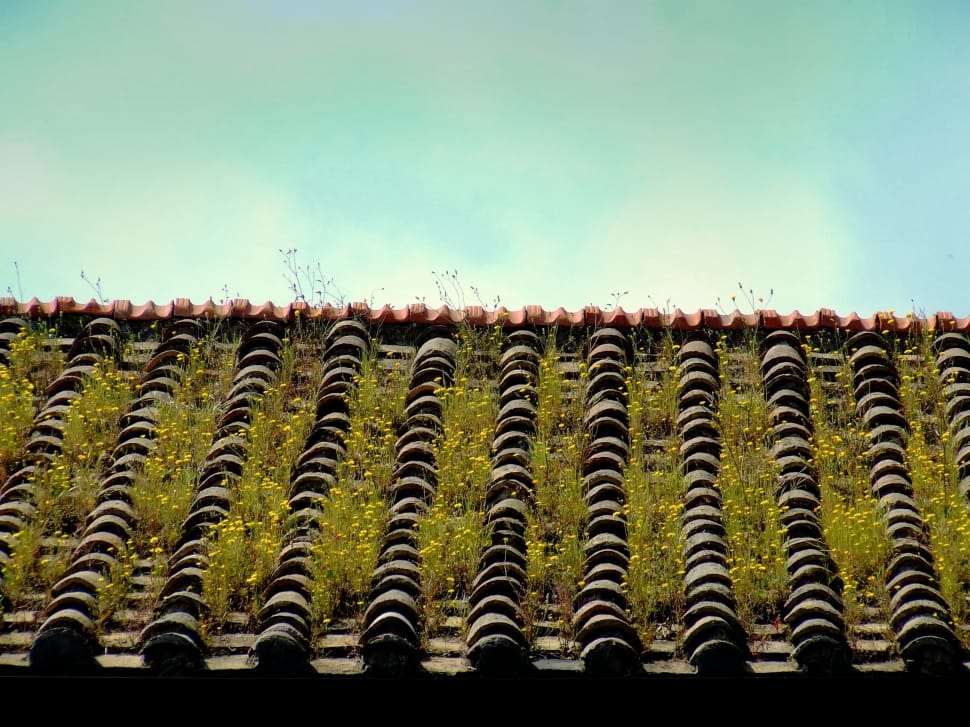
[[554, 153]]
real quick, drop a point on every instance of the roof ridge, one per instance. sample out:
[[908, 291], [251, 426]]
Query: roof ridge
[[420, 313]]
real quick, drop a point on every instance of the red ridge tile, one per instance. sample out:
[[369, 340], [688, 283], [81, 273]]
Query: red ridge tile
[[419, 313]]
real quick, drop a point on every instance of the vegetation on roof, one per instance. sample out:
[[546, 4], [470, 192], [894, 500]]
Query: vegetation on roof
[[244, 546]]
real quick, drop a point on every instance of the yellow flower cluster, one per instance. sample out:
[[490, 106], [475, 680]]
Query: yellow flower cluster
[[164, 487], [752, 519], [654, 490], [451, 536], [554, 538], [64, 490], [849, 512], [344, 554], [16, 398], [244, 546], [934, 474]]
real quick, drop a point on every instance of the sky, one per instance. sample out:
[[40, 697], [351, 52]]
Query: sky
[[661, 154]]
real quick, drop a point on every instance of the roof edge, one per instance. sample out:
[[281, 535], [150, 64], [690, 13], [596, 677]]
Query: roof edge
[[532, 315]]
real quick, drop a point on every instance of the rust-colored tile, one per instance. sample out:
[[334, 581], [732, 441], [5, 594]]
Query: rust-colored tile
[[532, 315]]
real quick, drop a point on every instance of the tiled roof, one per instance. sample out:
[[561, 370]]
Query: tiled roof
[[666, 430], [419, 313]]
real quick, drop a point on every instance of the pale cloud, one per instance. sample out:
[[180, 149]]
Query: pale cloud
[[693, 244], [28, 178], [687, 245], [185, 231], [553, 154], [377, 265]]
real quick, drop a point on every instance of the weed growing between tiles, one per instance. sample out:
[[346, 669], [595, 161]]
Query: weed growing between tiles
[[850, 514], [752, 519], [23, 572], [65, 485], [654, 488], [451, 534], [933, 470], [554, 536], [244, 546], [344, 554], [163, 487], [16, 397], [162, 490]]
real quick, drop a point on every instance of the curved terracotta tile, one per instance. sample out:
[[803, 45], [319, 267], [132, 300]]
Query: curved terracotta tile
[[419, 313], [122, 309], [651, 318], [852, 322], [771, 319], [826, 317], [519, 317], [688, 320], [535, 313]]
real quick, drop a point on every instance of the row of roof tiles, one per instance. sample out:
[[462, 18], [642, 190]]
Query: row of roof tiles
[[533, 315]]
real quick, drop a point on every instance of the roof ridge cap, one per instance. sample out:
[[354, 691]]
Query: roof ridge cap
[[533, 315]]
